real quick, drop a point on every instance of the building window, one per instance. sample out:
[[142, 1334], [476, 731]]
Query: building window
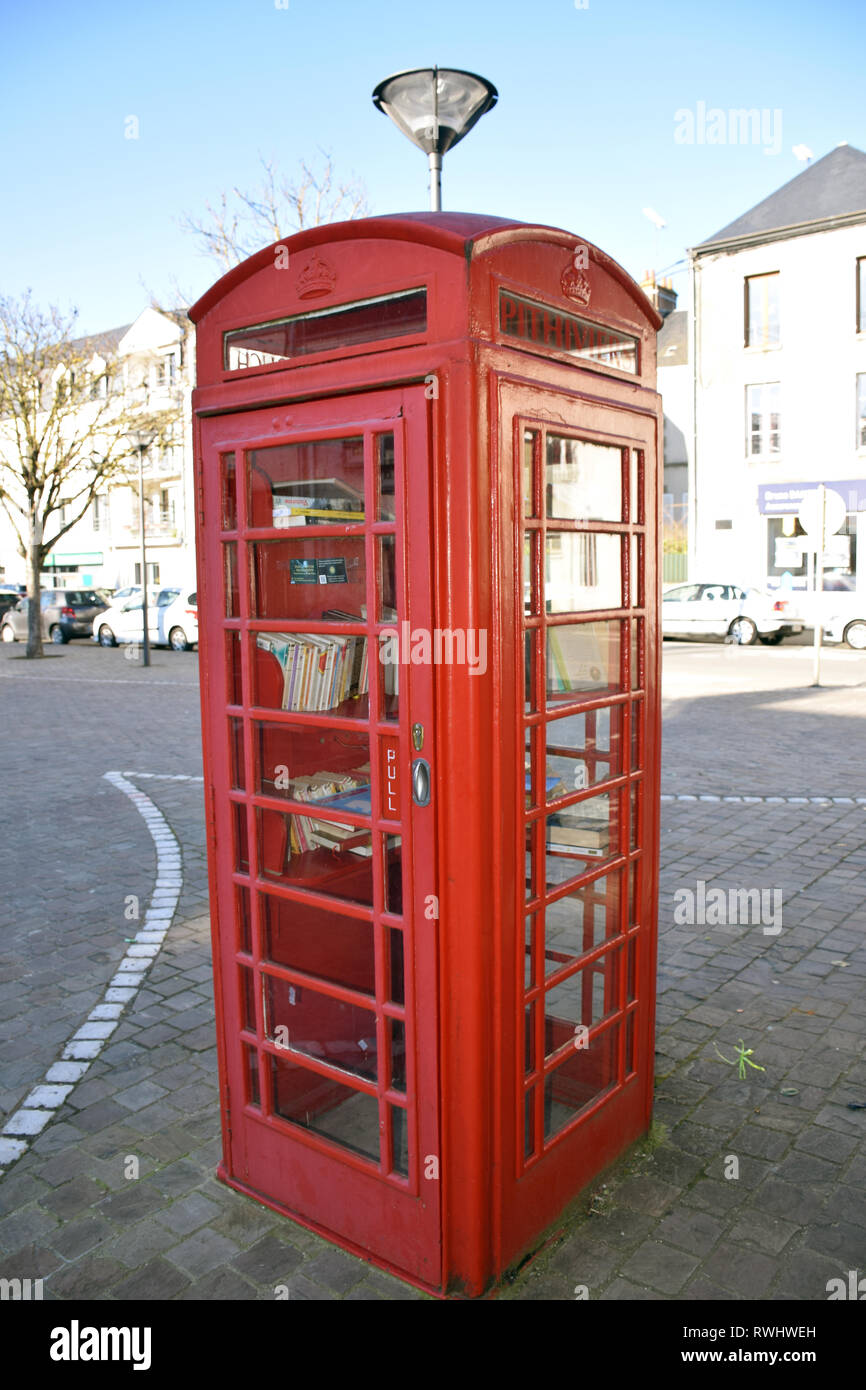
[[790, 553], [763, 420], [762, 310], [861, 294], [100, 513], [166, 370], [861, 410]]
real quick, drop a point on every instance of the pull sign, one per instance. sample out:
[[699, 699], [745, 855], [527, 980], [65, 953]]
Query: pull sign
[[390, 778]]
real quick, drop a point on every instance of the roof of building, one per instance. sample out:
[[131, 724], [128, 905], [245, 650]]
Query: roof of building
[[672, 342], [101, 342], [835, 186]]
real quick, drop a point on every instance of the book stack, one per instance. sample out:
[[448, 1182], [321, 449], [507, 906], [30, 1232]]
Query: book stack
[[343, 791], [585, 829], [319, 671]]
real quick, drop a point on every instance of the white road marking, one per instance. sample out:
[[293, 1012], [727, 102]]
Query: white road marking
[[44, 1100]]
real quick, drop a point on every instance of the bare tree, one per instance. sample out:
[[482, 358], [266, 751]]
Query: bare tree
[[242, 223], [65, 415]]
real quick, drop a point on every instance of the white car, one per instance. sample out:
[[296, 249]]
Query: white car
[[727, 610], [178, 621], [849, 627], [121, 621]]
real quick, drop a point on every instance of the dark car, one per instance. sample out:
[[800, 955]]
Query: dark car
[[10, 594], [65, 613]]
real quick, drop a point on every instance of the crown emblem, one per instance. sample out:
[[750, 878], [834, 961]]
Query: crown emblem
[[575, 283], [316, 278]]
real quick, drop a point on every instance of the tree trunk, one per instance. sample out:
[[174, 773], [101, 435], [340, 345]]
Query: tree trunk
[[34, 570]]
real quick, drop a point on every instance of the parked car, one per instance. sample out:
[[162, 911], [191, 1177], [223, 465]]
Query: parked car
[[178, 621], [10, 594], [848, 627], [121, 620], [728, 610], [66, 613]]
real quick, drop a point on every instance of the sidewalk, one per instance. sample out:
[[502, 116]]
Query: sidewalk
[[671, 1222]]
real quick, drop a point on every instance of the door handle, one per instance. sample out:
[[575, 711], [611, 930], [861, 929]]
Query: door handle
[[421, 782]]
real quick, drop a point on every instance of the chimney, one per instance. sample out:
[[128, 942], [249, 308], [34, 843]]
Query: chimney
[[660, 293]]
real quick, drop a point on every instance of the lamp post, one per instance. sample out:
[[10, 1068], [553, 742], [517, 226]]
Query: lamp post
[[141, 441], [435, 108]]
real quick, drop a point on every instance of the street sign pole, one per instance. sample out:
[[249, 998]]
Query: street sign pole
[[819, 580]]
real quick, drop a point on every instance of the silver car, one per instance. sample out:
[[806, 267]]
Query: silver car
[[728, 610]]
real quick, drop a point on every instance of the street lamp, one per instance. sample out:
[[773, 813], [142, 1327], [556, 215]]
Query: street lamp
[[141, 441], [435, 108]]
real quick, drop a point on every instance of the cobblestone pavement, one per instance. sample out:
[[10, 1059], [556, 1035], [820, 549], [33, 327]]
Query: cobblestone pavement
[[669, 1222]]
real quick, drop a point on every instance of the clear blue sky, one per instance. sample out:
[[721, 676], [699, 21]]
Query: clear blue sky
[[583, 136]]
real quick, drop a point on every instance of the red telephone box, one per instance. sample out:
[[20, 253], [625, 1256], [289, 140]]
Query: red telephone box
[[427, 492]]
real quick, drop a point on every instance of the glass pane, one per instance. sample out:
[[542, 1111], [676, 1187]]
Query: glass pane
[[631, 969], [399, 1141], [245, 934], [635, 909], [531, 737], [584, 918], [248, 1007], [393, 874], [331, 1030], [583, 750], [308, 484], [584, 1075], [636, 735], [387, 579], [629, 1044], [529, 1038], [636, 653], [327, 1107], [530, 597], [530, 691], [236, 744], [230, 493], [530, 876], [397, 1041], [308, 763], [233, 607], [397, 992], [252, 1061], [325, 330], [635, 815], [577, 1003], [582, 572], [530, 946], [310, 580], [577, 838], [318, 854], [636, 485], [583, 658], [318, 941], [242, 852], [529, 1123], [583, 481], [306, 671], [385, 475], [234, 692], [529, 450]]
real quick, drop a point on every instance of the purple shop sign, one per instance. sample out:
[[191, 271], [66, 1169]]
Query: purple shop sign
[[783, 499]]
